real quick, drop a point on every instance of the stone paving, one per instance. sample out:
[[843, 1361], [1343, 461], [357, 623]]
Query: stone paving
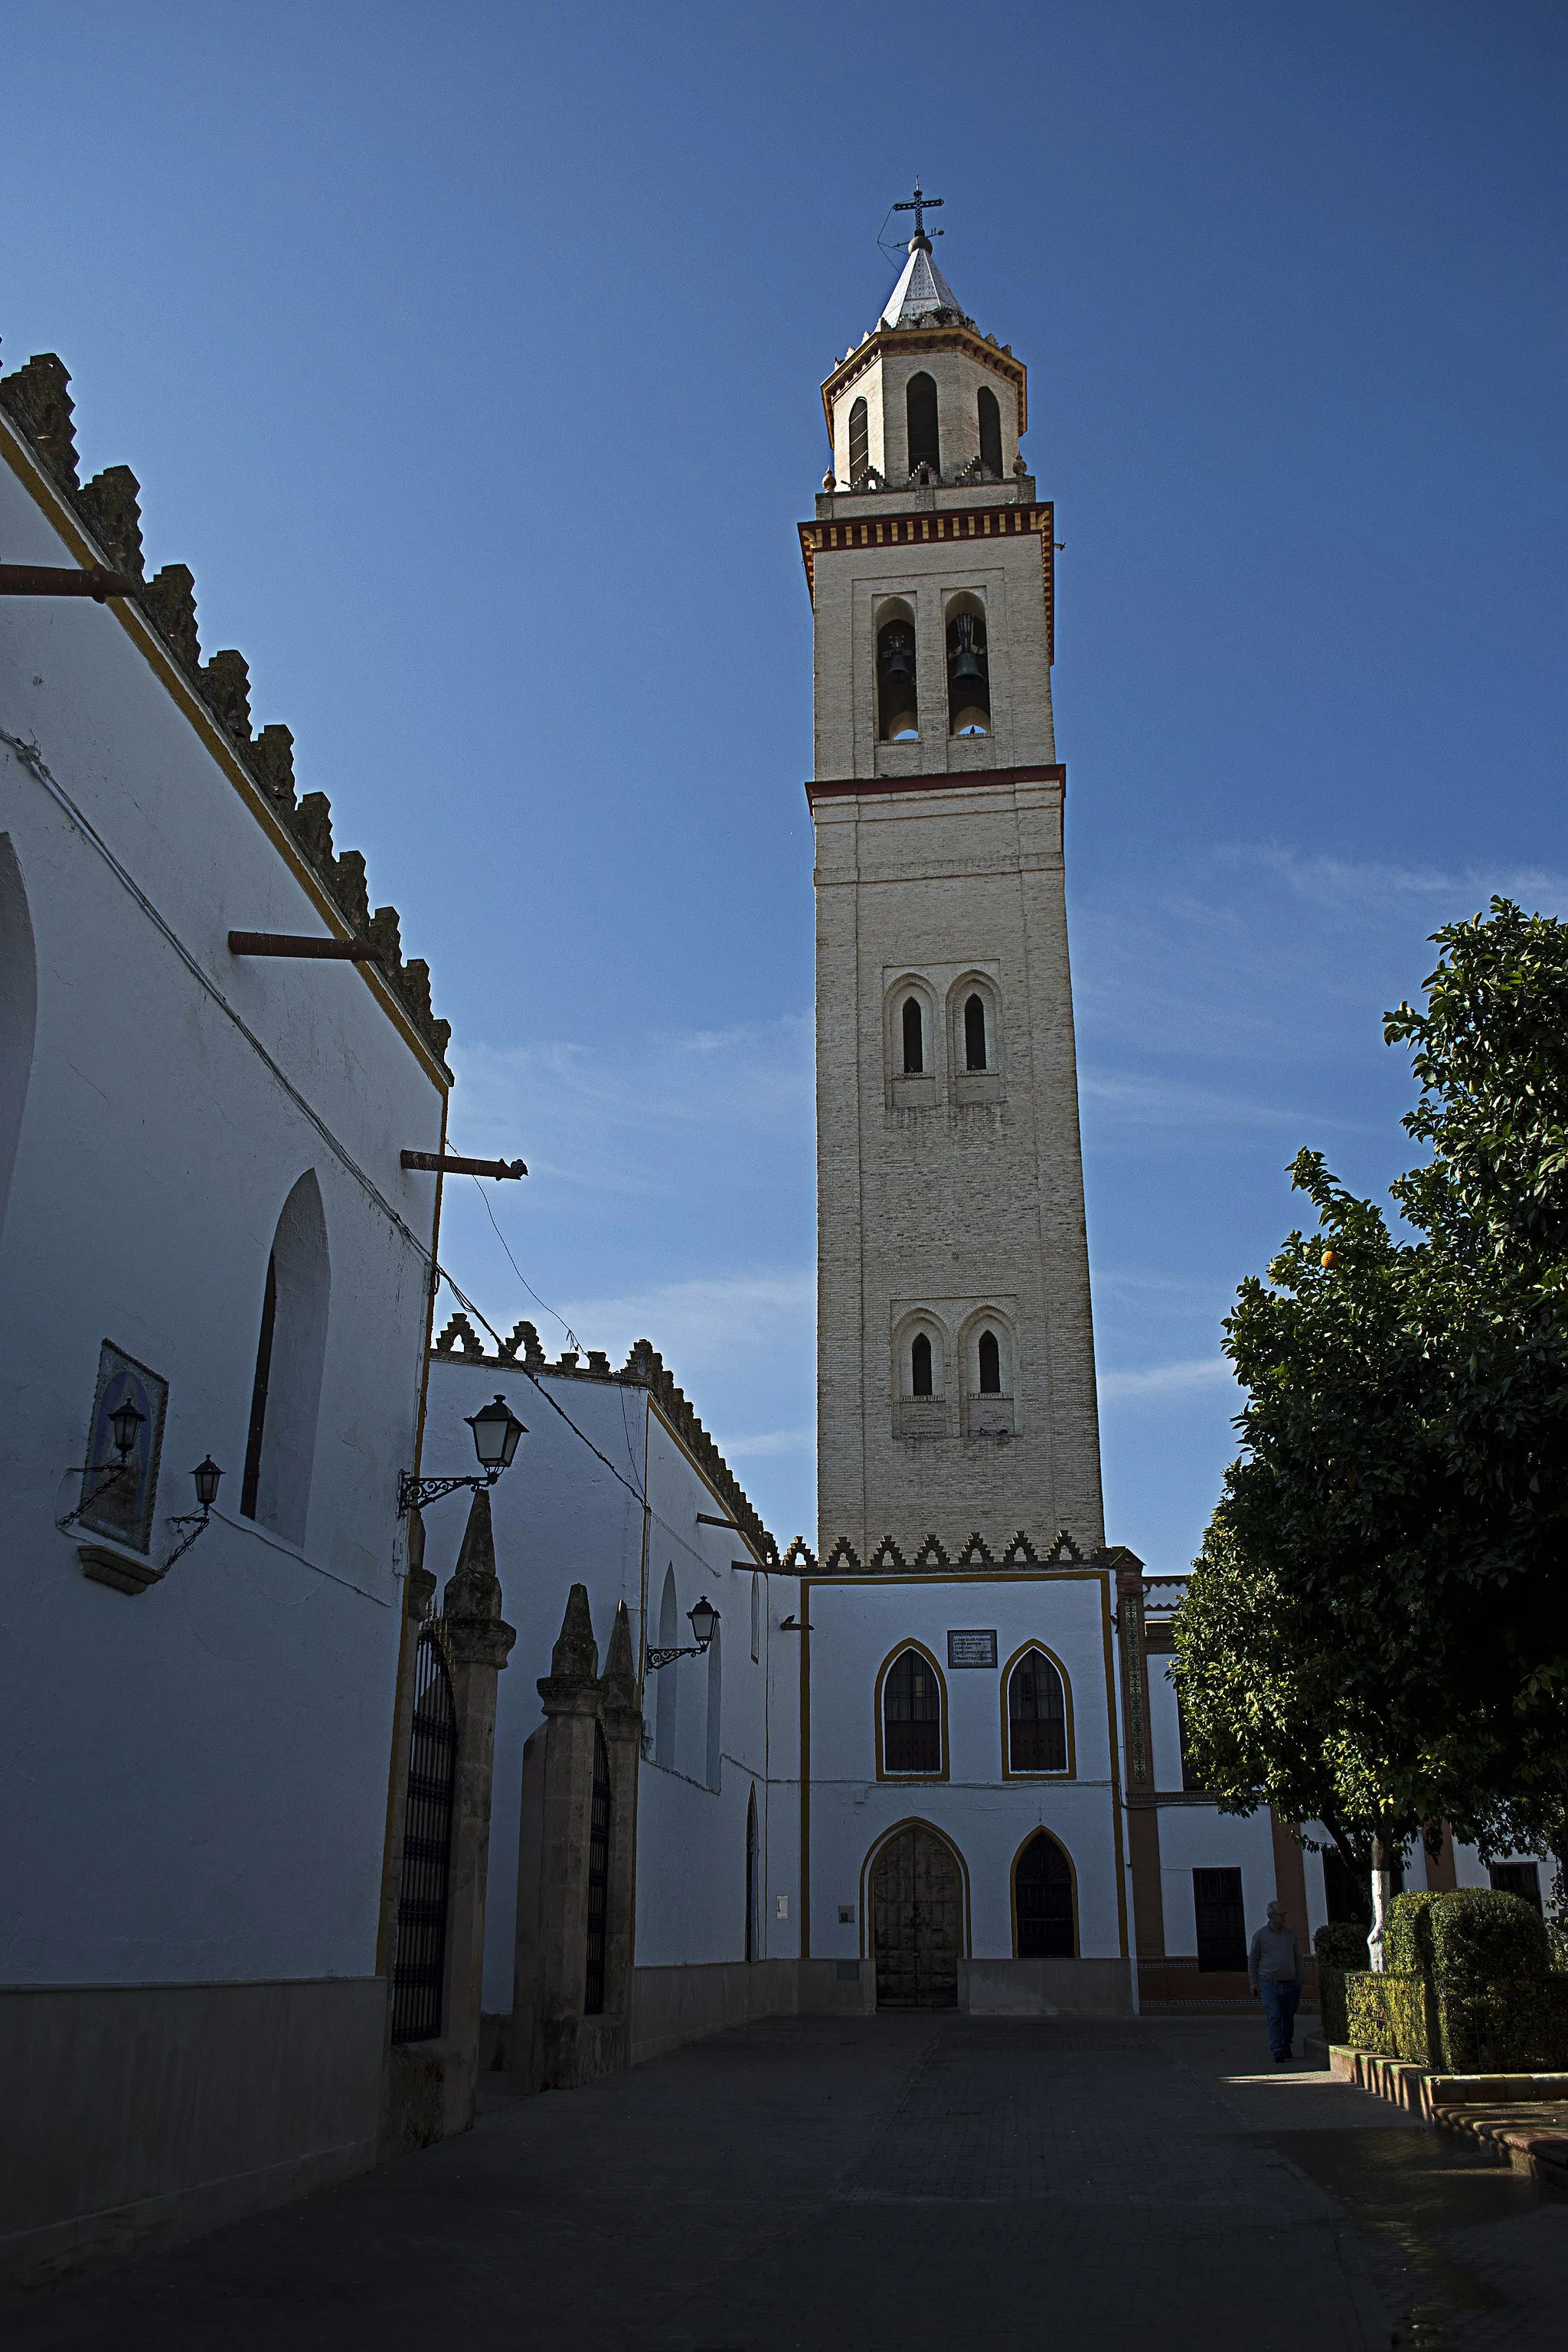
[[895, 2184]]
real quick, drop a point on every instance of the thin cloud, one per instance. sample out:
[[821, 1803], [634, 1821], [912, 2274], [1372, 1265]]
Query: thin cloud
[[1200, 1373]]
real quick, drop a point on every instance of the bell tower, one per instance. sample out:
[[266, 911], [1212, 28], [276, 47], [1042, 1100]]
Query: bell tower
[[955, 1370]]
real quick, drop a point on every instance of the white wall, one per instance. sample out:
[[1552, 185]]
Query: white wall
[[856, 1624], [561, 1517], [198, 1773]]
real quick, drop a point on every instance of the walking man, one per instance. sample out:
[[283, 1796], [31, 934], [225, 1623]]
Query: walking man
[[1274, 1965]]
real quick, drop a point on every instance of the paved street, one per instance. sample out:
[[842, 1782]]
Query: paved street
[[899, 2184]]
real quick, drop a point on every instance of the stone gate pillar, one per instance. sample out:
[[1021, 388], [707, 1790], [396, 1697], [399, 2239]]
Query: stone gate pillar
[[1142, 1812], [554, 2041], [478, 1644]]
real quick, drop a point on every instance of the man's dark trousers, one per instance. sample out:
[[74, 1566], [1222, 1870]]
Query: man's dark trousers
[[1280, 1995]]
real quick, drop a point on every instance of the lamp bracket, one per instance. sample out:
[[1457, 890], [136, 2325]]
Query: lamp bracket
[[413, 1494], [654, 1659], [198, 1523]]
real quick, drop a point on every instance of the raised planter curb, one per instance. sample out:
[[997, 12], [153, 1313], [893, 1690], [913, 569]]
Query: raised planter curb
[[1522, 2117]]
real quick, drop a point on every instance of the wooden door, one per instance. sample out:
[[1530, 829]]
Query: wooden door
[[917, 1911]]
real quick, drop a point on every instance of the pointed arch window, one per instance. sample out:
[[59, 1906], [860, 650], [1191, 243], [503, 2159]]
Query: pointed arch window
[[18, 1010], [860, 445], [920, 410], [989, 432], [1036, 1715], [990, 1354], [975, 1056], [921, 1366], [1043, 1904], [911, 1716], [914, 1038], [290, 1356]]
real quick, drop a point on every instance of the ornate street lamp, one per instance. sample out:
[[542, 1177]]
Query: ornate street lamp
[[703, 1618], [207, 1477], [496, 1433]]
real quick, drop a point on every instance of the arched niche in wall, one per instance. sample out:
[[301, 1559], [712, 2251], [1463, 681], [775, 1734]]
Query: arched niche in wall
[[290, 1355], [19, 1011], [968, 666], [897, 693], [668, 1703]]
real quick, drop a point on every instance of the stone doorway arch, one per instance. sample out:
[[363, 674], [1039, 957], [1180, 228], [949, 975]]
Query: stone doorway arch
[[916, 1919]]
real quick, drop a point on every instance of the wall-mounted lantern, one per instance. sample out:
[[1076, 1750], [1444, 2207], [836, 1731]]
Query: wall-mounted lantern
[[496, 1433], [207, 1477], [703, 1618], [124, 1422]]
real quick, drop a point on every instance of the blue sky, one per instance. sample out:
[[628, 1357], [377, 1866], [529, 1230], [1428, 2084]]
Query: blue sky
[[469, 355]]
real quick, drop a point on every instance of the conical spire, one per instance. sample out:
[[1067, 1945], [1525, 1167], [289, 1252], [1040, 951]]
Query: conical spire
[[922, 288]]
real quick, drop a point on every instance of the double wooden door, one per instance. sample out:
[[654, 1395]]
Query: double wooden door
[[917, 1914]]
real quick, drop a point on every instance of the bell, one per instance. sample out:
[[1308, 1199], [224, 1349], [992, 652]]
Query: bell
[[899, 655], [966, 662]]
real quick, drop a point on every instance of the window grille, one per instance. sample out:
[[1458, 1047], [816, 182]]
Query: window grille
[[1521, 1878], [598, 1880], [1037, 1716], [1042, 1894], [911, 1716], [419, 1968]]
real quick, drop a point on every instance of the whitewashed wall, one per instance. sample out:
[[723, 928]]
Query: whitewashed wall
[[198, 1773], [561, 1517], [856, 1624]]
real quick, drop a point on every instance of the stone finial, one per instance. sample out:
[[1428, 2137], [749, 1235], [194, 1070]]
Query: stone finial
[[931, 1555], [888, 1555], [459, 1334], [799, 1555], [574, 1660], [976, 1552], [110, 506], [471, 1606], [272, 758], [1020, 1552], [169, 601], [37, 397], [1063, 1551], [598, 1364], [415, 984], [643, 1364], [225, 689], [843, 1556], [620, 1680]]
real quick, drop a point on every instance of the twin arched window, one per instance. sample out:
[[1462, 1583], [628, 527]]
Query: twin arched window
[[912, 1701]]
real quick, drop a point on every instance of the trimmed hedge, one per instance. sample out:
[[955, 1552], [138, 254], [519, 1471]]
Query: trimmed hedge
[[1389, 2014], [1340, 1947], [1468, 1987], [1479, 1936]]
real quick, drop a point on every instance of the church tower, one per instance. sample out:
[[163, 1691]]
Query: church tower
[[956, 1386]]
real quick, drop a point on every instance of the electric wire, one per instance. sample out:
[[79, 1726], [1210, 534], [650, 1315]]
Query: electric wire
[[523, 1277]]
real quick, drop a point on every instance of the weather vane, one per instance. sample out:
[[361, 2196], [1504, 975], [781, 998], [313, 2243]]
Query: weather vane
[[919, 203]]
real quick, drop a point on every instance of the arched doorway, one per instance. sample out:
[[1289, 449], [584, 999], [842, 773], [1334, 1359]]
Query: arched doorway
[[1043, 1904], [916, 1920]]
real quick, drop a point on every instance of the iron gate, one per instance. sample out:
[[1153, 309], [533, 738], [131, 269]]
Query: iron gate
[[420, 1965]]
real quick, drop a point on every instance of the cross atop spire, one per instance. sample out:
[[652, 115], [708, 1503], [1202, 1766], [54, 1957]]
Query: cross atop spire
[[919, 203]]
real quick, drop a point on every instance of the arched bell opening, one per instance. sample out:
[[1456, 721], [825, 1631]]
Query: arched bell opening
[[990, 418], [920, 414], [859, 445], [968, 669], [898, 704]]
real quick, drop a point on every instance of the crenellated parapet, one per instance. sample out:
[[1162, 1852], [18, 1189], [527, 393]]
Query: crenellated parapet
[[933, 1558], [37, 398], [645, 1367]]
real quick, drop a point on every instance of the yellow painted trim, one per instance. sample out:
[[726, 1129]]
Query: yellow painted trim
[[1070, 1771], [15, 449], [1065, 1852], [757, 1561], [912, 1780], [806, 1769], [1113, 1728], [878, 1845]]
